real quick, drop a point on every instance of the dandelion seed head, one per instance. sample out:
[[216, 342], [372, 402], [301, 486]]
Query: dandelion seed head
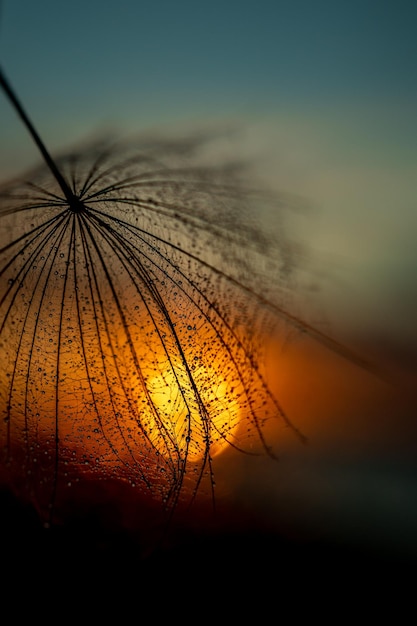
[[131, 322]]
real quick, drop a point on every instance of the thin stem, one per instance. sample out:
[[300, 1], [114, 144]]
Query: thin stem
[[74, 203]]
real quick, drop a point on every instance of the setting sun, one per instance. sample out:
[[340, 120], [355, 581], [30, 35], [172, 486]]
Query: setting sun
[[197, 423]]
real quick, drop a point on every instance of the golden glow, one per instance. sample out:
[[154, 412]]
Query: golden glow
[[198, 422], [124, 408], [126, 349]]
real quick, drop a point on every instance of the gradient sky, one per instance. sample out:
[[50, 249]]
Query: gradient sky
[[78, 66], [325, 91]]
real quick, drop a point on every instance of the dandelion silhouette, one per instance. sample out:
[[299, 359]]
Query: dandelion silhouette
[[135, 294]]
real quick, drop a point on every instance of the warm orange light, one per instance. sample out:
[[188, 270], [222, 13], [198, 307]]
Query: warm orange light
[[122, 356], [199, 422], [117, 400]]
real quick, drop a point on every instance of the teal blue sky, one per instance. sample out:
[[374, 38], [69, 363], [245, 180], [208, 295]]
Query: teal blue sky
[[81, 65]]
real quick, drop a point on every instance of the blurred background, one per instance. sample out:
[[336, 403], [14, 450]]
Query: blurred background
[[321, 97]]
